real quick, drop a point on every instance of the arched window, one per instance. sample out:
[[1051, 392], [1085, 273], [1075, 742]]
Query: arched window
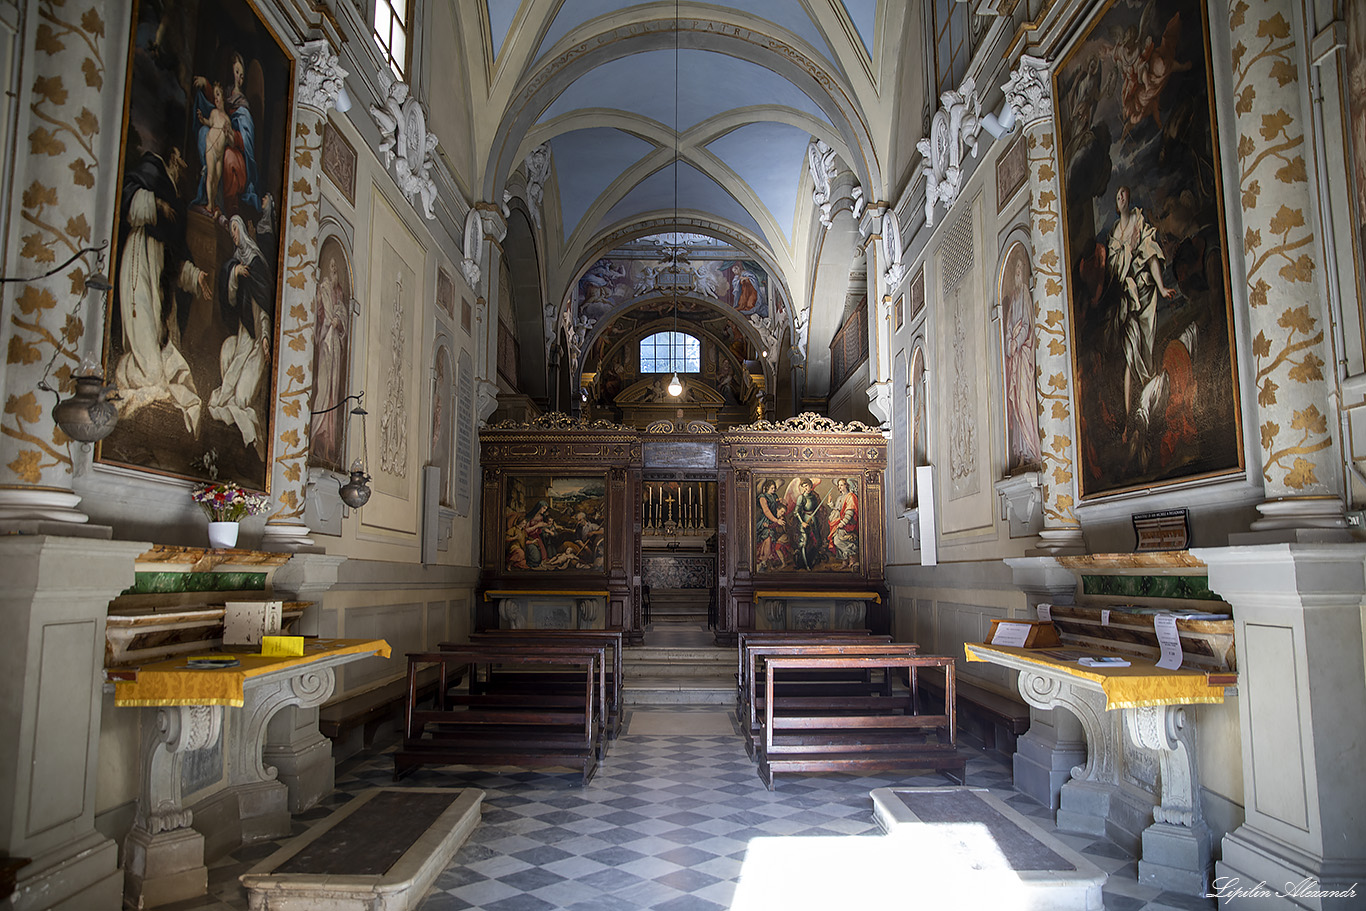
[[670, 352]]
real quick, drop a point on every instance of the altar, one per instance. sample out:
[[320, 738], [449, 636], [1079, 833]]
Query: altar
[[1140, 784], [213, 769]]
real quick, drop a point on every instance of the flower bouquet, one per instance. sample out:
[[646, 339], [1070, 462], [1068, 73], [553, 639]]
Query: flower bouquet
[[226, 505], [227, 502]]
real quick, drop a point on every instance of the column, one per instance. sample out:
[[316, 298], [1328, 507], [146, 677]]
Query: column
[[53, 605], [1297, 611], [880, 286], [1299, 462], [1055, 742], [1029, 93], [320, 81], [493, 227], [63, 171]]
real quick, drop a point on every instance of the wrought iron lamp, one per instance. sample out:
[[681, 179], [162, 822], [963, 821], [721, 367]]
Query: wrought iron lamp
[[355, 493], [88, 415]]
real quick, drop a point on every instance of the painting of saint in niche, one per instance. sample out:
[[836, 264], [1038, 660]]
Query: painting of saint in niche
[[193, 315], [331, 356], [1144, 235], [556, 524], [1017, 356], [807, 524]]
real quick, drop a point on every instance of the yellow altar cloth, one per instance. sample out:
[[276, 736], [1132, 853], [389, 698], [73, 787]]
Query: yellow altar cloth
[[170, 682], [1142, 683]]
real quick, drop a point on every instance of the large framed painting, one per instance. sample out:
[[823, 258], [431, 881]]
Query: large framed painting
[[332, 312], [807, 524], [555, 524], [1143, 227], [193, 317], [1354, 95], [1021, 391]]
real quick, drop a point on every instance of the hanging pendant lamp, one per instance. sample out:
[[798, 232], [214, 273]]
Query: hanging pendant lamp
[[675, 384]]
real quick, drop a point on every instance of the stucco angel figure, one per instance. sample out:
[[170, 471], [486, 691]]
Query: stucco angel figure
[[389, 115]]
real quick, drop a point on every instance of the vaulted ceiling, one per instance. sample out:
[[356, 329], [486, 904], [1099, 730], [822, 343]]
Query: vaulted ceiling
[[687, 116]]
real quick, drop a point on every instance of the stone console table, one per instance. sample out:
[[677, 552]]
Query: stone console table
[[205, 732], [1140, 785]]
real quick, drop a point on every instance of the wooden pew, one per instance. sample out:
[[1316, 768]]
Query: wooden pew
[[894, 738], [556, 637], [482, 726], [838, 691], [747, 635]]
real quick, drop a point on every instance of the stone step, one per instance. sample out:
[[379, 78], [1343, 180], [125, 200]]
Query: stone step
[[680, 690]]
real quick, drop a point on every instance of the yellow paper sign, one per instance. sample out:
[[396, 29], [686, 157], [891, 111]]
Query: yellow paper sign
[[282, 646]]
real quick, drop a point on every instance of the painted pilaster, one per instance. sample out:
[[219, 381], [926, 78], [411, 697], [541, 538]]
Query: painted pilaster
[[1301, 710], [69, 103], [1287, 322], [1029, 92], [319, 82]]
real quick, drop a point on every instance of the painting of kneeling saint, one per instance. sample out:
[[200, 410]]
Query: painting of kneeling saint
[[555, 524], [807, 524], [192, 320]]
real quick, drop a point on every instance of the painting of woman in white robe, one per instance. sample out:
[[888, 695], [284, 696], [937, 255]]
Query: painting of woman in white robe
[[331, 356]]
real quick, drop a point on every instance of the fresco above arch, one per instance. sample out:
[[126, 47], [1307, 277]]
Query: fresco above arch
[[739, 284]]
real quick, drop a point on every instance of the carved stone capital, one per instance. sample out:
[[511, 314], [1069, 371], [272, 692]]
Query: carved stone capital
[[1028, 91], [320, 77]]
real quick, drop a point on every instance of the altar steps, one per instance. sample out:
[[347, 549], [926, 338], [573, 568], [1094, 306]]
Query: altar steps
[[678, 665]]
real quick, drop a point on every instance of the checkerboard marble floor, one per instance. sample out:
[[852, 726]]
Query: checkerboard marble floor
[[663, 825]]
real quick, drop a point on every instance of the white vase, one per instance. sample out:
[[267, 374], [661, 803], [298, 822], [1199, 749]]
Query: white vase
[[222, 534]]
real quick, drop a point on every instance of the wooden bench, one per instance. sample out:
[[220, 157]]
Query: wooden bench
[[829, 690], [744, 636], [1001, 719], [371, 709], [556, 637], [482, 726], [893, 738]]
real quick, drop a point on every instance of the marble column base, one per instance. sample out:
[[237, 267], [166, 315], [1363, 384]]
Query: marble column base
[[1270, 876], [163, 868], [1043, 766], [1176, 858], [1096, 808], [82, 875]]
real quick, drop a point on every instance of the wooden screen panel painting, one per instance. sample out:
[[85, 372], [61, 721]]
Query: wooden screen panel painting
[[555, 524], [807, 524], [331, 357], [1144, 233], [192, 320]]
